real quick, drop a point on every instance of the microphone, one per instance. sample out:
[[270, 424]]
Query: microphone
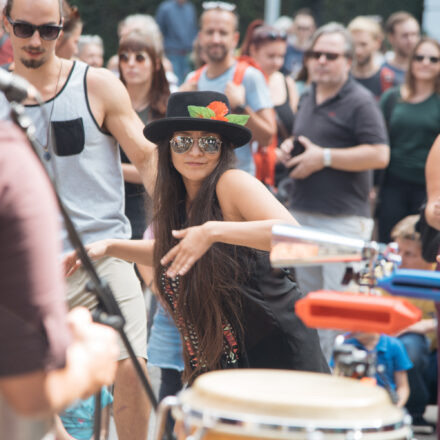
[[16, 88]]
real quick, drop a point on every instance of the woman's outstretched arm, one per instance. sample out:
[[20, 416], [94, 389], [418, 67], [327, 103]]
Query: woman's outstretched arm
[[136, 251], [250, 211]]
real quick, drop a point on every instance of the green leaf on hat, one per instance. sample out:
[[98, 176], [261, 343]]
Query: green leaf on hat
[[200, 112], [238, 119]]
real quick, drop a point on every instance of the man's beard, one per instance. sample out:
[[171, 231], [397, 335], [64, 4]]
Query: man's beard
[[364, 62], [33, 64], [217, 57]]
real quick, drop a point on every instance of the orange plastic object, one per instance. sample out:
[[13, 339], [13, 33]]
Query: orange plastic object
[[356, 312]]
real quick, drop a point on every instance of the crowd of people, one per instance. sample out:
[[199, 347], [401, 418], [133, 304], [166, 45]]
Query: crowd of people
[[174, 162]]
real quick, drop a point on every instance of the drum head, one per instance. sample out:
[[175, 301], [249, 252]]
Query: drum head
[[288, 401]]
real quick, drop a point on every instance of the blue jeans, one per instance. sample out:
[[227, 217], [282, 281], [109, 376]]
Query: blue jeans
[[417, 347]]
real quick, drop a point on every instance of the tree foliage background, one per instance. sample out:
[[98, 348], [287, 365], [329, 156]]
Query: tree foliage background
[[102, 16]]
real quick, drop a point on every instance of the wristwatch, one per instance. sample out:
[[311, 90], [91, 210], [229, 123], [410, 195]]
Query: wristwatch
[[240, 109], [327, 157]]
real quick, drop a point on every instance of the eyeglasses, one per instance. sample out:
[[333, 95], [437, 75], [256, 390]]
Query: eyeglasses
[[140, 57], [207, 144], [421, 58], [219, 5], [23, 29], [329, 56]]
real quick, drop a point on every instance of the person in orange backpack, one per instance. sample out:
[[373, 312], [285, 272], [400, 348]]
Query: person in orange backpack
[[267, 47], [243, 84], [367, 38]]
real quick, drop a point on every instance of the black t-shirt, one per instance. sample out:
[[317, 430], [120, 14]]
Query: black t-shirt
[[350, 118], [378, 83]]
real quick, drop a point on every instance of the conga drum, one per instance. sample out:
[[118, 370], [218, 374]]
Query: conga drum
[[277, 404]]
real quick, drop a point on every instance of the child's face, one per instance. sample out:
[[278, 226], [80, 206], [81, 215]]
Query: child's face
[[367, 338], [411, 253]]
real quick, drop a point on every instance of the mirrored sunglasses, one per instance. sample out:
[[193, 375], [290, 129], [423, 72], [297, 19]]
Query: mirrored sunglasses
[[329, 56], [139, 57], [207, 144], [219, 5], [23, 29], [421, 58]]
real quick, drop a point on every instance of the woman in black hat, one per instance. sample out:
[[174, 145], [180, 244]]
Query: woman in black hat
[[212, 226]]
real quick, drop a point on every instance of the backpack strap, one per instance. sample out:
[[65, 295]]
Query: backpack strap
[[387, 77], [240, 70], [197, 74]]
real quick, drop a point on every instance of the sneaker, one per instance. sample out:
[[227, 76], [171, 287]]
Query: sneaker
[[421, 426]]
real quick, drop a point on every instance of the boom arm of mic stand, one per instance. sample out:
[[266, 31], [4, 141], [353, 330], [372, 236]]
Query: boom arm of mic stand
[[101, 289]]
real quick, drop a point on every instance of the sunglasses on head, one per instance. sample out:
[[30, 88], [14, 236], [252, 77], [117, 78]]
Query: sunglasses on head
[[23, 29], [329, 56], [272, 35], [219, 5], [432, 60], [207, 144], [140, 57]]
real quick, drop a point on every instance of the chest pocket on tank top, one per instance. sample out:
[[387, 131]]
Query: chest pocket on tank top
[[69, 137]]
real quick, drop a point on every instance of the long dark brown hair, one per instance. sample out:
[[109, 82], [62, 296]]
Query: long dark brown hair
[[210, 291], [159, 88], [410, 80]]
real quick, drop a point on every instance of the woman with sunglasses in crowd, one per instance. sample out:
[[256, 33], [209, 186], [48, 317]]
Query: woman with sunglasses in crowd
[[142, 72], [67, 44], [412, 114], [212, 226], [267, 46]]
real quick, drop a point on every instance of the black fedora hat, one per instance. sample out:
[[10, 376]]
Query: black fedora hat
[[200, 111]]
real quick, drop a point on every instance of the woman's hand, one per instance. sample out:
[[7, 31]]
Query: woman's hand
[[95, 251], [195, 241]]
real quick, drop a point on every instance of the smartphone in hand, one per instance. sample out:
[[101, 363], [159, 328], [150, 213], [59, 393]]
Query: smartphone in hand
[[298, 148]]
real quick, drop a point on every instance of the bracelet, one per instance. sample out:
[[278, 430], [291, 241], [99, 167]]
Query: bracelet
[[327, 157]]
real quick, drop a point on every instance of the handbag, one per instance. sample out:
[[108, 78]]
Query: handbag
[[429, 236]]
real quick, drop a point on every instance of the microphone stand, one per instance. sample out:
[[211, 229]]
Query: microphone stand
[[108, 311]]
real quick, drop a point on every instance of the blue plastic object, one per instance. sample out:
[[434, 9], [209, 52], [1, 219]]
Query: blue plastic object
[[413, 283]]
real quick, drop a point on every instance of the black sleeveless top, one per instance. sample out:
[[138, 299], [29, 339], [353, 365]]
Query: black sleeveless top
[[274, 336], [285, 116]]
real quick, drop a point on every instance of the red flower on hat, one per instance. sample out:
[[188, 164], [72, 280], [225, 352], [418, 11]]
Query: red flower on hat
[[220, 109], [216, 110]]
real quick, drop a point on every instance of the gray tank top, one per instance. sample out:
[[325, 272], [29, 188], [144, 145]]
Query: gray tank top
[[85, 164]]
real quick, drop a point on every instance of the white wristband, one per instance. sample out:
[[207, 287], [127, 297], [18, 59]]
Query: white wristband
[[327, 157]]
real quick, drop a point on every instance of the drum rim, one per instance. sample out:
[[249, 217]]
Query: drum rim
[[214, 420]]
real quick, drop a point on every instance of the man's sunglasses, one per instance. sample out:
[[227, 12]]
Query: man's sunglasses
[[207, 144], [23, 29], [421, 58], [329, 56], [140, 57]]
